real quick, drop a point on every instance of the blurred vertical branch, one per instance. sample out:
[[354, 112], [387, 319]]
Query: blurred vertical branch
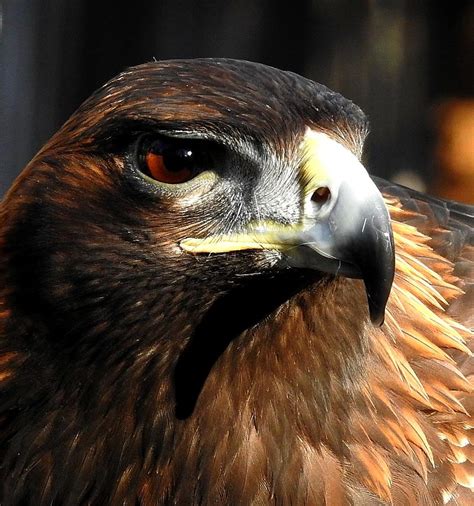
[[453, 98]]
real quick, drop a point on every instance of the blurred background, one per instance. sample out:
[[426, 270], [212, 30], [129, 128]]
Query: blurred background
[[409, 64]]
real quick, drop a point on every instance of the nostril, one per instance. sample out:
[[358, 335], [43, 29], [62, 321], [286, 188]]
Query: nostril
[[321, 195]]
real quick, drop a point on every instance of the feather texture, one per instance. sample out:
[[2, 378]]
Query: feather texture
[[131, 373]]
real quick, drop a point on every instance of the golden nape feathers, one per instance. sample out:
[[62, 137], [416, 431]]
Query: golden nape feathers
[[417, 399], [205, 299]]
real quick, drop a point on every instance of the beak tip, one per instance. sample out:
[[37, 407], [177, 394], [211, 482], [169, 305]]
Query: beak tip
[[378, 288], [377, 318]]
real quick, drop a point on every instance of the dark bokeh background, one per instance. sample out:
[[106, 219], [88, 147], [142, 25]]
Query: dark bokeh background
[[405, 62]]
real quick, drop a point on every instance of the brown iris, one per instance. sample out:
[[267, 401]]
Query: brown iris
[[168, 170], [171, 168]]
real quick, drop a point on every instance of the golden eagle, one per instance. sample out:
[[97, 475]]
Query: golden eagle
[[205, 299]]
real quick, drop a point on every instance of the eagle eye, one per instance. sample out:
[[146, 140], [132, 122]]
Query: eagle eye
[[171, 161]]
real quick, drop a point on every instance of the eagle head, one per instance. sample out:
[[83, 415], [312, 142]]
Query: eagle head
[[187, 225]]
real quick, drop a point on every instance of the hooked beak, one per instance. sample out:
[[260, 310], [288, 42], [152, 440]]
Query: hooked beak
[[345, 229]]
